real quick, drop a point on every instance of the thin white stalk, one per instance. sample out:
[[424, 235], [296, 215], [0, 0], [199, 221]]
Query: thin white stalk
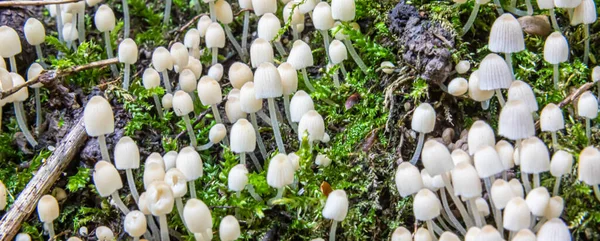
[[215, 111], [588, 129], [539, 224], [332, 230], [13, 64], [213, 13], [344, 72], [81, 26], [40, 56], [336, 79], [536, 180], [215, 55], [355, 56], [20, 115], [190, 130], [556, 186], [243, 158], [280, 49], [264, 117], [179, 204], [430, 228], [441, 221], [500, 97], [126, 73], [554, 141], [326, 42], [286, 105], [110, 53], [245, 30], [255, 161], [529, 7], [275, 125], [471, 19], [586, 52], [596, 192], [153, 226], [59, 23], [555, 74], [253, 193], [497, 216], [166, 81], [436, 228], [508, 60], [454, 221], [526, 183], [131, 183], [167, 14], [103, 148], [50, 229], [457, 202], [485, 104], [498, 7], [476, 215], [307, 81], [38, 111], [553, 20], [261, 144], [158, 106], [115, 196], [136, 238], [126, 19], [192, 186], [205, 146], [417, 153], [164, 226], [233, 41]]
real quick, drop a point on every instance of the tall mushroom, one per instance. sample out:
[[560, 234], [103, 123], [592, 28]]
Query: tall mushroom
[[108, 182], [585, 13], [214, 39], [198, 219], [336, 209], [560, 165], [183, 106], [300, 58], [423, 122], [229, 229], [160, 203], [268, 29], [190, 164], [11, 46], [556, 51], [127, 157], [345, 10], [250, 104], [105, 22], [18, 98], [150, 80], [267, 85], [35, 34], [552, 120], [426, 207], [589, 164], [587, 107], [494, 74], [48, 211], [128, 55], [135, 224], [162, 62], [178, 183], [99, 121], [280, 174], [243, 140], [225, 16], [34, 71], [506, 36]]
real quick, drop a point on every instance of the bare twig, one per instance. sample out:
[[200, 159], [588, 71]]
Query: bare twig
[[34, 3], [49, 76], [575, 94]]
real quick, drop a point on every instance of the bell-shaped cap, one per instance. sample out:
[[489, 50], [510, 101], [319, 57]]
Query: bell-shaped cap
[[337, 52], [296, 17], [47, 209], [233, 109], [561, 163], [209, 91], [267, 82], [264, 6], [280, 172], [422, 234], [189, 162], [229, 229], [203, 24], [104, 18], [517, 187], [223, 12], [23, 237], [248, 101], [98, 117], [34, 71], [336, 206], [217, 133], [524, 234], [494, 73], [162, 59], [179, 54], [289, 78], [595, 74], [480, 135], [554, 230], [401, 234], [34, 30], [472, 234], [408, 179], [268, 27], [322, 18], [106, 178], [170, 160], [128, 51], [104, 233], [587, 105], [150, 78], [191, 39], [11, 42], [462, 66], [197, 216], [458, 156], [155, 157], [556, 48], [160, 198], [589, 166], [261, 51], [585, 13], [551, 118], [426, 205], [475, 92], [127, 154], [423, 119], [245, 4], [215, 36], [516, 121], [501, 193], [343, 10], [537, 201], [305, 6], [301, 55], [436, 158], [177, 181], [135, 224], [517, 215], [243, 137], [534, 156], [167, 101], [182, 103], [458, 86], [520, 90], [505, 151], [555, 207], [300, 104], [489, 233], [466, 181], [449, 236], [153, 172], [506, 35], [216, 72], [487, 162], [187, 81], [23, 93], [240, 73], [237, 178], [69, 32], [295, 160], [482, 206], [311, 122]]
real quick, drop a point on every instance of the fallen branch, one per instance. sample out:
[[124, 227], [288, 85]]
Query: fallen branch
[[582, 89], [34, 3], [49, 76], [44, 179]]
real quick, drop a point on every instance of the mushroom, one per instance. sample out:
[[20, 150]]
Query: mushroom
[[191, 40], [471, 235], [482, 207], [401, 234], [243, 140], [449, 236], [423, 122], [105, 22], [587, 107], [478, 94], [300, 58], [128, 54], [462, 66], [70, 34], [143, 206], [239, 73], [554, 229], [237, 180], [179, 55], [520, 90], [426, 207], [214, 39], [108, 182], [408, 179], [35, 34], [468, 186], [262, 7], [209, 92], [289, 82], [229, 229], [516, 121], [537, 200], [17, 100], [150, 80], [506, 36], [345, 10], [323, 22], [268, 85], [280, 174], [585, 13], [215, 135], [489, 233], [11, 46], [494, 74], [561, 164], [458, 86], [337, 54], [135, 224], [48, 211], [183, 105], [535, 159], [23, 237], [505, 151], [198, 219], [162, 62], [250, 104], [524, 235], [422, 234], [233, 109], [336, 209], [517, 215], [552, 120], [178, 183], [487, 163], [104, 233], [556, 51], [589, 164], [190, 164], [268, 29], [312, 123], [160, 203], [293, 16], [224, 14], [300, 104], [34, 71], [500, 194], [480, 134], [99, 121], [187, 83], [127, 157], [167, 101], [261, 52]]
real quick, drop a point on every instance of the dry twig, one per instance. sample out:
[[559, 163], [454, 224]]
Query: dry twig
[[34, 3]]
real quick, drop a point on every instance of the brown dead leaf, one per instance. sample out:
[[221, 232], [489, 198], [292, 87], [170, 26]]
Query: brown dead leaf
[[352, 100], [326, 188]]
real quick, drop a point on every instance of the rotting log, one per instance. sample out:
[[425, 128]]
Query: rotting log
[[44, 179]]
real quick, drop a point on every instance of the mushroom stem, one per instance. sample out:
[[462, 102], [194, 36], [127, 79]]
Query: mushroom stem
[[211, 7], [508, 60], [417, 153], [243, 158], [40, 55], [453, 220], [126, 21], [110, 53], [529, 7], [536, 180], [498, 7], [264, 117], [295, 33], [511, 8], [192, 186], [441, 221], [596, 192], [471, 19], [280, 49], [13, 64], [205, 146], [307, 81], [430, 228], [59, 23], [497, 215], [553, 20], [556, 186], [261, 145], [344, 72], [588, 130], [275, 125], [332, 230], [81, 26], [500, 97], [162, 219], [336, 80], [215, 55], [526, 184], [126, 72], [355, 55], [167, 15], [539, 224], [23, 124], [136, 238], [119, 202], [476, 215], [245, 30], [215, 111], [255, 161], [103, 148], [50, 229], [326, 42], [179, 204], [286, 105], [152, 225], [38, 111], [190, 130], [158, 106], [131, 183], [279, 193], [555, 74], [505, 175], [234, 42], [167, 82], [253, 193], [485, 104], [457, 202]]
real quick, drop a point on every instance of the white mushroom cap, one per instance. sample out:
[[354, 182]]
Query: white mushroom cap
[[587, 105], [449, 236], [135, 223], [482, 206], [128, 51], [301, 55], [589, 166], [567, 3], [520, 90], [551, 118], [506, 35], [203, 24], [427, 180], [190, 163], [462, 66], [480, 135], [179, 54], [561, 164], [458, 156], [167, 101], [300, 104], [458, 86], [233, 109], [11, 43], [209, 91], [517, 215], [216, 72], [336, 206], [537, 201], [311, 122], [215, 36], [556, 48], [240, 73], [289, 78], [489, 233], [34, 71], [487, 162], [229, 229], [595, 74], [104, 18], [34, 30], [6, 83], [3, 195], [322, 18], [408, 179], [422, 234], [517, 187], [280, 172], [295, 160], [187, 81], [426, 205], [170, 160], [505, 151], [501, 193], [23, 93], [150, 78], [466, 181], [475, 92], [423, 119], [321, 160], [162, 59], [248, 101], [143, 204], [98, 117], [268, 27], [104, 233], [69, 32], [267, 82], [534, 156], [261, 51], [106, 178], [155, 157], [494, 73], [245, 4], [23, 237], [555, 207], [524, 235], [264, 6], [243, 137], [223, 12], [584, 13], [217, 133], [554, 229], [160, 198], [182, 103], [153, 172], [47, 209], [401, 234], [343, 10], [338, 52], [177, 181], [237, 178], [197, 216], [436, 158], [127, 154], [191, 39], [472, 234], [297, 17], [516, 121]]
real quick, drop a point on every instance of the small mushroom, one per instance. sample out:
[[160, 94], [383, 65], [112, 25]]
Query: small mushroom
[[48, 211], [336, 209], [229, 229], [105, 22], [108, 182], [99, 120]]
